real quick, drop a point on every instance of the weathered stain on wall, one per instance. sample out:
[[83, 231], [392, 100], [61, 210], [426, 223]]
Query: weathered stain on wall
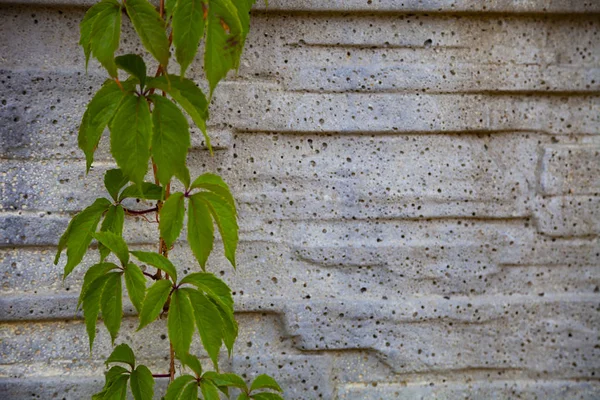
[[418, 184]]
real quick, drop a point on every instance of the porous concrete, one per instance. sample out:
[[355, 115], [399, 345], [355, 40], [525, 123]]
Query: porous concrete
[[418, 185]]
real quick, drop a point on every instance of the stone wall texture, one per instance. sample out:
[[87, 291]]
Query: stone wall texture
[[419, 190]]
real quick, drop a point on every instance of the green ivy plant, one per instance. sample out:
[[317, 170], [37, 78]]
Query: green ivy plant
[[146, 118]]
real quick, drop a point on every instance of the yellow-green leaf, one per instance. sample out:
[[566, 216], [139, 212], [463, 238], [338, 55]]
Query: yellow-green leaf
[[200, 229], [150, 27], [180, 322], [142, 383], [130, 134], [155, 299], [111, 304], [104, 39], [188, 29], [170, 138], [171, 218], [136, 285]]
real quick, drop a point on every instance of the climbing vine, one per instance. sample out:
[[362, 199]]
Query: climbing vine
[[149, 130]]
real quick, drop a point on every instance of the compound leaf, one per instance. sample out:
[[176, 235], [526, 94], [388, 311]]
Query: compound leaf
[[111, 304], [158, 261], [188, 28], [122, 354], [180, 322], [136, 285], [134, 65]]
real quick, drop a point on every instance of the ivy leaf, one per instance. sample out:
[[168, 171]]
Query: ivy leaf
[[111, 376], [156, 297], [170, 138], [180, 322], [191, 361], [265, 382], [223, 41], [170, 6], [244, 7], [209, 390], [150, 28], [226, 379], [148, 191], [85, 26], [136, 285], [187, 95], [179, 389], [111, 304], [93, 273], [134, 65], [214, 183], [266, 396], [142, 383], [188, 28], [115, 244], [114, 180], [122, 354], [226, 220], [200, 229], [104, 39], [230, 330], [78, 236], [158, 261], [113, 222], [243, 396], [91, 306], [118, 388], [209, 323], [130, 131], [212, 286], [97, 115], [171, 218]]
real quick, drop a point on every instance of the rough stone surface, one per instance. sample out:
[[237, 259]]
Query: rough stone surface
[[419, 195]]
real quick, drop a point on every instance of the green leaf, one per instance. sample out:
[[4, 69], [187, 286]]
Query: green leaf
[[78, 235], [226, 220], [114, 243], [187, 95], [130, 131], [114, 180], [223, 41], [148, 191], [142, 383], [209, 390], [157, 261], [171, 218], [85, 26], [136, 285], [91, 306], [170, 138], [156, 297], [209, 323], [265, 382], [179, 388], [266, 396], [118, 389], [200, 229], [188, 29], [214, 183], [244, 7], [134, 65], [111, 304], [180, 322], [104, 39], [184, 176], [93, 273], [122, 354], [212, 286], [230, 330], [151, 29], [97, 115], [243, 396], [192, 362], [113, 222], [227, 379], [170, 6], [111, 376]]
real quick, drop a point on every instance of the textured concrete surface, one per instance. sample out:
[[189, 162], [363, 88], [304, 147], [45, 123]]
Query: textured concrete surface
[[419, 192]]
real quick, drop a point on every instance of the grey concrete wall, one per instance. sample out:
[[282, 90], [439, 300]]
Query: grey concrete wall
[[418, 184]]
